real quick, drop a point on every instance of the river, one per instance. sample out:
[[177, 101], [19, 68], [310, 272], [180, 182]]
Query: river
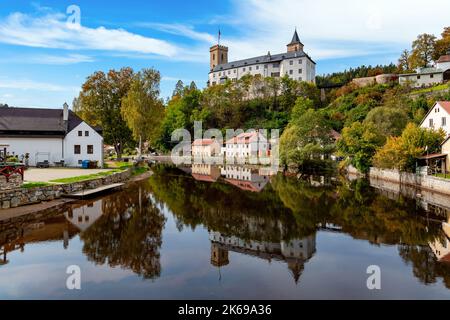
[[230, 233]]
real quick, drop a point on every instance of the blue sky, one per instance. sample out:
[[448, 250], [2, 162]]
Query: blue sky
[[44, 61]]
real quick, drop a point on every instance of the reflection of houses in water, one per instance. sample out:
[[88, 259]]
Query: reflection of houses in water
[[294, 252], [245, 178], [441, 247], [16, 233], [205, 172], [84, 214]]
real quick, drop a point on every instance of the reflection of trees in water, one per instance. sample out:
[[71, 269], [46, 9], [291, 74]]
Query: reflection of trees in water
[[128, 234], [426, 268], [354, 206], [225, 208], [360, 211]]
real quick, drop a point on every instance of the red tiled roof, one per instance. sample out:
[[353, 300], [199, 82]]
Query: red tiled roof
[[246, 138], [444, 59], [336, 135], [203, 142], [445, 105], [445, 258]]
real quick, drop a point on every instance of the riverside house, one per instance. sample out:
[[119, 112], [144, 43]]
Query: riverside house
[[438, 117], [52, 136], [247, 144]]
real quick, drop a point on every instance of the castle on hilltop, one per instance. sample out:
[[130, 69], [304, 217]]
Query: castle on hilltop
[[294, 63]]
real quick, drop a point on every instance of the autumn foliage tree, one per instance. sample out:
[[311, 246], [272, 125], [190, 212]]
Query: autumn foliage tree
[[142, 109], [100, 100], [401, 152]]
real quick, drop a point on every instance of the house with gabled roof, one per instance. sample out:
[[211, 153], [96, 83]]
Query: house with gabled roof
[[55, 136], [438, 117]]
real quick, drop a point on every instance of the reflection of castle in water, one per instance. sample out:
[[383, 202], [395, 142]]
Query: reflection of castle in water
[[294, 252]]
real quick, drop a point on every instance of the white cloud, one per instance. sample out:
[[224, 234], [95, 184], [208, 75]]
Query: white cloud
[[52, 31], [60, 59], [180, 30], [330, 28], [26, 84]]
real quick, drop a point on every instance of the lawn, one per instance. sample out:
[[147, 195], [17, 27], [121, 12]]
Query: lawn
[[440, 87], [29, 185], [441, 175], [86, 177]]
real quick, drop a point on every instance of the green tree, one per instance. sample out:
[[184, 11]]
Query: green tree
[[423, 49], [179, 89], [359, 142], [142, 107], [307, 138], [442, 45], [388, 121], [404, 62], [101, 101], [401, 152]]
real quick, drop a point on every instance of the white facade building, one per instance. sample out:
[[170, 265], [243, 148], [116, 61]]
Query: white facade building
[[52, 135], [294, 63], [246, 145], [438, 117], [425, 77]]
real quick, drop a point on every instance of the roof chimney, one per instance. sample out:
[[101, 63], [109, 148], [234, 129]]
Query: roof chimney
[[65, 112]]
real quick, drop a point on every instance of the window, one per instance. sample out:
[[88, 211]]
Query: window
[[229, 72], [243, 69], [90, 149], [80, 161], [418, 77], [86, 133], [220, 73], [234, 70], [266, 66], [77, 149], [300, 79], [276, 65], [291, 71], [214, 56], [250, 68], [300, 71], [444, 121], [257, 67], [291, 63], [80, 133], [300, 61], [431, 123], [431, 76]]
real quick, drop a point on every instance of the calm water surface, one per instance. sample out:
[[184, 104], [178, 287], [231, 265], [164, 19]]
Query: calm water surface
[[207, 232]]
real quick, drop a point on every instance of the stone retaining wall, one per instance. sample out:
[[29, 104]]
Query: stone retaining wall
[[20, 196], [426, 182], [14, 182]]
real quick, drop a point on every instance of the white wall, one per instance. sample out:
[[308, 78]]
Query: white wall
[[308, 70], [21, 146], [436, 114], [73, 139], [425, 79]]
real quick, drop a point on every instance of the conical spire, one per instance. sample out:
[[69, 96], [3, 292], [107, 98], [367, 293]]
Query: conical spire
[[295, 38], [296, 44]]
